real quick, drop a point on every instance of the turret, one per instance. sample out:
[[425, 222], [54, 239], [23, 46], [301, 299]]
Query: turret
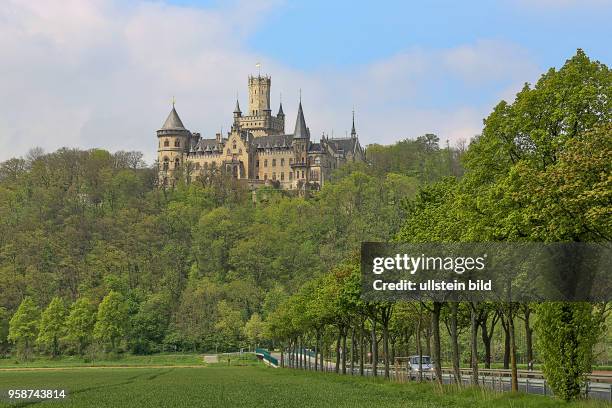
[[173, 144], [237, 116], [301, 140], [280, 114], [237, 112]]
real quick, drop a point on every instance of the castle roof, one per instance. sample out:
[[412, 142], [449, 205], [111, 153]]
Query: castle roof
[[301, 130], [346, 145], [273, 141], [315, 147], [173, 122], [209, 145]]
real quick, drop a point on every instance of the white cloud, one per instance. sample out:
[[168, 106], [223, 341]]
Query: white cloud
[[99, 73]]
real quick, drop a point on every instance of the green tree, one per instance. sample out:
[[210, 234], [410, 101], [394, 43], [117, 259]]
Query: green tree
[[23, 327], [80, 323], [567, 333], [52, 326], [4, 329], [254, 330], [149, 324], [229, 323], [111, 320]]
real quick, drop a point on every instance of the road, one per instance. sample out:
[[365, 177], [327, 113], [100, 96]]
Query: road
[[529, 382]]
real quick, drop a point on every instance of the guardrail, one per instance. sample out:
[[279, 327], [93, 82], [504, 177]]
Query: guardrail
[[265, 354], [598, 386]]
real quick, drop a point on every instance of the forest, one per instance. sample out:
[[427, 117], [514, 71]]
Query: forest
[[96, 258]]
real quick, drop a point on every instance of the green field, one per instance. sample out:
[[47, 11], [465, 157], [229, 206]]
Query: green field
[[248, 386]]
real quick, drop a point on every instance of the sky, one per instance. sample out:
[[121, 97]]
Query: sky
[[102, 73]]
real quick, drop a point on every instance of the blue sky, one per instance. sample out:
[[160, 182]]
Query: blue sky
[[100, 73], [312, 34]]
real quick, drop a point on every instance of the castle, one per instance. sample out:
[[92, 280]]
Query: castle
[[257, 149]]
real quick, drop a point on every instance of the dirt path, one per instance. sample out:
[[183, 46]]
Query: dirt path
[[211, 359]]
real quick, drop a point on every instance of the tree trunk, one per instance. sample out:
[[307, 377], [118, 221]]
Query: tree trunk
[[317, 349], [300, 353], [386, 347], [486, 341], [474, 343], [337, 368], [361, 347], [428, 336], [435, 329], [321, 362], [344, 333], [374, 350], [513, 353], [454, 337], [506, 343], [419, 347], [528, 334], [353, 351]]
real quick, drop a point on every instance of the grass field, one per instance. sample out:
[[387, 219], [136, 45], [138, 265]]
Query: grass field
[[248, 386]]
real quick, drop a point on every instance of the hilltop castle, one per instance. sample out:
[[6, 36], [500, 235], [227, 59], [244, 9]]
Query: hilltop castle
[[257, 149]]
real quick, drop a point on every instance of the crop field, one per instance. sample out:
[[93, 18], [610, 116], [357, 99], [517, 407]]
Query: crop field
[[247, 386]]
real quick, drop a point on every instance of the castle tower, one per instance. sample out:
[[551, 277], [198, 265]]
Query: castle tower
[[353, 132], [259, 95], [301, 141], [258, 119], [173, 145]]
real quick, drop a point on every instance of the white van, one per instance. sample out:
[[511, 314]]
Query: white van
[[426, 364]]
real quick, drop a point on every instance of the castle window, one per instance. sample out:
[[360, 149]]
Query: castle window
[[234, 146], [239, 151], [177, 143], [257, 163], [282, 176], [302, 173], [265, 176], [273, 162], [177, 163], [257, 177], [166, 164], [197, 166], [229, 151], [290, 175], [282, 162], [302, 160], [317, 160], [266, 163], [166, 143], [290, 160]]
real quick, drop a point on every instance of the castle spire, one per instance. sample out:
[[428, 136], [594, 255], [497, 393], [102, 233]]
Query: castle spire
[[301, 131], [237, 108], [353, 132], [173, 122], [280, 110]]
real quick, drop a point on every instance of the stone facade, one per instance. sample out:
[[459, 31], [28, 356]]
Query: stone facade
[[257, 149]]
